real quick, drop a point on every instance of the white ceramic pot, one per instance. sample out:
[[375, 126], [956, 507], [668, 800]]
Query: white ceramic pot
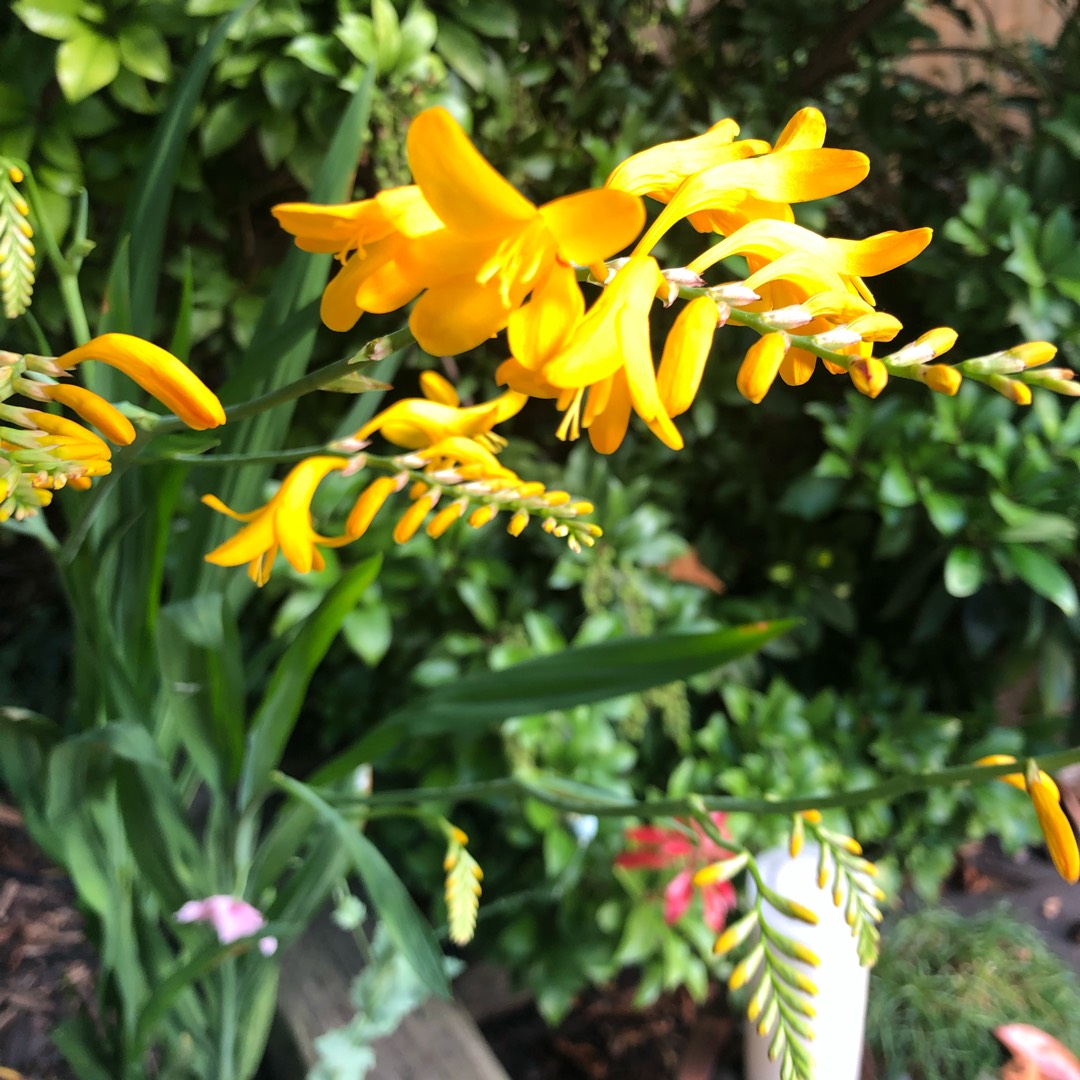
[[841, 980]]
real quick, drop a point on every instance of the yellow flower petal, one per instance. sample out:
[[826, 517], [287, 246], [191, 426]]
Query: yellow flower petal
[[333, 229], [797, 367], [1057, 829], [659, 170], [620, 318], [793, 176], [804, 131], [686, 350], [458, 183], [608, 429], [438, 388], [369, 504], [942, 379], [761, 365], [457, 316], [75, 437], [538, 329], [589, 226]]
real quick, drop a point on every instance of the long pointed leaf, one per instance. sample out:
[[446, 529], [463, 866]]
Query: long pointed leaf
[[280, 707], [279, 352], [575, 676], [563, 680], [390, 899], [149, 209]]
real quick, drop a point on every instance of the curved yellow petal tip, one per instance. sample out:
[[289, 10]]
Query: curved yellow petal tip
[[1056, 829], [158, 372], [760, 366]]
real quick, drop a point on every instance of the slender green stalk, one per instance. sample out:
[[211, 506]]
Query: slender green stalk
[[73, 306], [375, 350], [227, 1042], [894, 788]]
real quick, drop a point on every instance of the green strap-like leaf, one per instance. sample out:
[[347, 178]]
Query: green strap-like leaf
[[148, 213], [575, 676], [280, 707], [279, 352], [390, 899]]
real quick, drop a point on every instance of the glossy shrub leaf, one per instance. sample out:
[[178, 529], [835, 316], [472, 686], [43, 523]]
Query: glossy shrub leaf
[[85, 63], [56, 19], [390, 899], [1043, 575], [143, 51], [963, 571]]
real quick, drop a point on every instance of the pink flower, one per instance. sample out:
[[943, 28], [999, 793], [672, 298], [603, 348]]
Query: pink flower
[[660, 849], [231, 919]]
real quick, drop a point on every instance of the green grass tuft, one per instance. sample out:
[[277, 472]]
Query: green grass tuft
[[945, 981]]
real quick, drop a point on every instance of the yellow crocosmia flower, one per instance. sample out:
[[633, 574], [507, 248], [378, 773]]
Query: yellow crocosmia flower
[[284, 522], [414, 423], [445, 518], [763, 240], [658, 171], [1055, 825], [496, 246], [612, 342], [1056, 828], [366, 237], [926, 347], [336, 230], [876, 326], [456, 451], [1017, 392], [837, 305], [760, 366], [158, 372], [725, 196], [94, 410], [685, 352]]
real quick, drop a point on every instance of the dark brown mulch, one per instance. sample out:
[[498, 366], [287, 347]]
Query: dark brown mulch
[[46, 966], [608, 1037]]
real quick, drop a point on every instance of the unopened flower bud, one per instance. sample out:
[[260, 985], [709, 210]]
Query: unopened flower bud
[[869, 375], [787, 318], [941, 378], [734, 293], [926, 347], [1033, 353], [837, 338], [1017, 392], [680, 278]]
